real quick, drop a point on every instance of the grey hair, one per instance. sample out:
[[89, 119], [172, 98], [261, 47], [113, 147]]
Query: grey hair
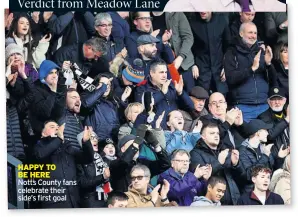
[[141, 167], [97, 44], [243, 26], [180, 152], [101, 17]]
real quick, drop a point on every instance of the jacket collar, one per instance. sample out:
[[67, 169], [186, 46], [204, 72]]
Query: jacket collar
[[174, 174], [254, 197], [142, 196]]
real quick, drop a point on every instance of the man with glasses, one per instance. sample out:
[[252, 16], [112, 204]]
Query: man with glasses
[[143, 26], [141, 193], [229, 122], [184, 185], [279, 115]]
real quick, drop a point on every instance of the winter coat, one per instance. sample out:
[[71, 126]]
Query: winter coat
[[281, 184], [282, 77], [46, 105], [103, 113], [38, 52], [51, 150], [251, 199], [203, 201], [114, 46], [272, 23], [182, 40], [181, 140], [203, 155], [246, 86], [191, 118], [182, 189], [279, 134], [164, 51], [121, 28], [163, 102], [15, 145]]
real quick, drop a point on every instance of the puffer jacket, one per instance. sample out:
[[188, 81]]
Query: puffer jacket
[[246, 86], [281, 184]]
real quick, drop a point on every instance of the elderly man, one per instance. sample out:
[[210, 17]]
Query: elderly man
[[229, 122], [184, 185], [248, 70], [279, 116]]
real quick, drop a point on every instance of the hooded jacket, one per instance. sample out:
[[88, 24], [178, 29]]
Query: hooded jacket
[[203, 201]]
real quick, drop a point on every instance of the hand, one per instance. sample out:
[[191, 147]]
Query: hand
[[288, 114], [223, 75], [35, 16], [179, 86], [177, 62], [45, 39], [268, 55], [235, 157], [126, 94], [66, 65], [231, 116], [47, 15], [208, 172], [154, 194], [284, 25], [167, 35], [74, 84], [12, 78], [267, 149], [60, 132], [21, 69], [106, 173], [222, 156], [283, 153], [159, 120], [87, 133], [124, 53], [256, 62], [165, 189], [198, 127], [199, 172], [165, 86], [195, 72], [155, 33], [239, 118], [54, 85]]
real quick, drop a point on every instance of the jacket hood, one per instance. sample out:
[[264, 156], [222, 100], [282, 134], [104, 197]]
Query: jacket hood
[[203, 201], [278, 175], [242, 47]]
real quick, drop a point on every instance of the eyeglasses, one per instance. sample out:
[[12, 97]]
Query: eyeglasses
[[145, 18], [214, 103], [182, 161], [133, 178], [106, 25]]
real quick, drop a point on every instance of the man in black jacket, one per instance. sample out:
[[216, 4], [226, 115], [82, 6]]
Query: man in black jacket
[[54, 149], [211, 39], [224, 162], [260, 195], [279, 116]]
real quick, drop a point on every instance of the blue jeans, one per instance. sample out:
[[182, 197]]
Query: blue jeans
[[252, 111]]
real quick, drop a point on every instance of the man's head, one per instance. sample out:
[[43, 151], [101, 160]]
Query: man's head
[[133, 110], [198, 96], [277, 99], [94, 48], [73, 100], [217, 105], [142, 21], [140, 177], [261, 178], [48, 72], [158, 72], [206, 16], [117, 199], [216, 188], [247, 16], [210, 135], [103, 24], [50, 129], [257, 129], [147, 46], [175, 120], [180, 161], [249, 33]]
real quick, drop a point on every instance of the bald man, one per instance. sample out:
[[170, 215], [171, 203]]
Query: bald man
[[246, 72], [230, 122]]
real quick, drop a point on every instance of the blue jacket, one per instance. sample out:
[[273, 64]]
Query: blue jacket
[[163, 102], [163, 50], [181, 140], [182, 189], [246, 86], [103, 114], [121, 29], [251, 199]]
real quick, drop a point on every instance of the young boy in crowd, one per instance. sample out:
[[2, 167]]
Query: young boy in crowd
[[117, 199], [216, 188], [107, 150]]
